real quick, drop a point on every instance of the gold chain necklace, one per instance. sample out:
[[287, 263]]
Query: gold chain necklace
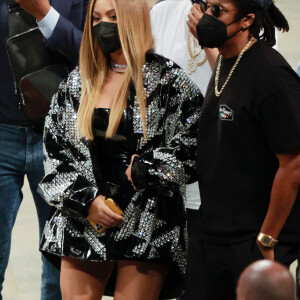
[[193, 64], [217, 92]]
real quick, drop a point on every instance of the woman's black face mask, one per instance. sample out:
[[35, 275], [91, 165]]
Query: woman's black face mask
[[107, 35]]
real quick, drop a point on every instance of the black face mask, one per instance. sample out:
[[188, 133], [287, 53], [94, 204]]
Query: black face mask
[[212, 32], [107, 35]]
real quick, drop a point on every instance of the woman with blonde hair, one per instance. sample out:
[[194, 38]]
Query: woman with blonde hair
[[122, 126]]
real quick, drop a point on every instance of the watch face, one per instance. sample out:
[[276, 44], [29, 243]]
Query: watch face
[[266, 240]]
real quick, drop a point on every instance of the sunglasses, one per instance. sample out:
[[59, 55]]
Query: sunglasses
[[215, 8]]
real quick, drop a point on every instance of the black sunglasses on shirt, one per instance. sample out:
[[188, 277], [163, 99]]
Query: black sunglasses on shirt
[[215, 8]]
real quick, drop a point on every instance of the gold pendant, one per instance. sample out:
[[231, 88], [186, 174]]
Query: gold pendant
[[192, 65]]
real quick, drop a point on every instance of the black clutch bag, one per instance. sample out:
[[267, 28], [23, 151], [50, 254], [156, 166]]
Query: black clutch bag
[[37, 69]]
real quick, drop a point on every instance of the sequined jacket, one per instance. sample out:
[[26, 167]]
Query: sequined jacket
[[154, 219]]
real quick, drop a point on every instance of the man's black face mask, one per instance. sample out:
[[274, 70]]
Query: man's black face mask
[[212, 32]]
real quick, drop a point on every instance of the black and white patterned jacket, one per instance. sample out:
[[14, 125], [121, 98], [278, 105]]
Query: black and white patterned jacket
[[155, 217]]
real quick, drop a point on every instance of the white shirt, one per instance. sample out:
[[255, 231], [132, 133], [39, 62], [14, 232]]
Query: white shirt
[[169, 30], [48, 23]]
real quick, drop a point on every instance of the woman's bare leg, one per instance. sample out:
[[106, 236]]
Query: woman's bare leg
[[83, 280], [139, 280]]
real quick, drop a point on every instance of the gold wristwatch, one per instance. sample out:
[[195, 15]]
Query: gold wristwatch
[[266, 240]]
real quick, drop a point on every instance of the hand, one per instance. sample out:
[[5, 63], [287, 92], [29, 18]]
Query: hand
[[101, 214], [194, 17], [128, 171], [37, 8], [268, 253]]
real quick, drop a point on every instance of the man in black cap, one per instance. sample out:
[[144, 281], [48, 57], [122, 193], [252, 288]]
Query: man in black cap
[[249, 143]]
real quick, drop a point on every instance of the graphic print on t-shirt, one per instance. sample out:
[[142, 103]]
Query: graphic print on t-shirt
[[225, 113]]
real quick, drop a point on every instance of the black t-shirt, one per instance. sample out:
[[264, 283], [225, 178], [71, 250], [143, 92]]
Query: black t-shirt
[[257, 115]]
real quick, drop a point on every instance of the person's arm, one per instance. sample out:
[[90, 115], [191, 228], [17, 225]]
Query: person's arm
[[48, 23], [69, 182], [193, 19], [277, 109], [66, 39], [284, 191], [37, 8], [173, 163], [60, 33]]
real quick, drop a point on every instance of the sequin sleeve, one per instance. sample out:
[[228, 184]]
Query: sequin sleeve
[[69, 183], [175, 161]]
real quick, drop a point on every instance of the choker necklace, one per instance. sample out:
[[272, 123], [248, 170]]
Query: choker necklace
[[118, 68], [217, 92], [193, 63]]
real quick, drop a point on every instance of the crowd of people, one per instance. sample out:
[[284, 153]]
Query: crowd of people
[[168, 164]]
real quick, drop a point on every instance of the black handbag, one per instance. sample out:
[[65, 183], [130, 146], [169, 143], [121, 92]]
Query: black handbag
[[37, 69]]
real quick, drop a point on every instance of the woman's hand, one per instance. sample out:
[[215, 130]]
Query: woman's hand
[[101, 214], [128, 171]]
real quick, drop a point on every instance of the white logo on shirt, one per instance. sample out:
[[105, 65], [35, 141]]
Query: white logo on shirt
[[225, 113]]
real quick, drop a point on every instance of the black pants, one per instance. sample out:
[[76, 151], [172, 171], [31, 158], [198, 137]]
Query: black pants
[[213, 269], [192, 217]]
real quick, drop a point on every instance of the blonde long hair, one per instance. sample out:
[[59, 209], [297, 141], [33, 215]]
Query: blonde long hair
[[136, 39]]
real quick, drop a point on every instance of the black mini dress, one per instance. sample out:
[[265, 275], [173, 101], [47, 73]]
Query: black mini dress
[[114, 154]]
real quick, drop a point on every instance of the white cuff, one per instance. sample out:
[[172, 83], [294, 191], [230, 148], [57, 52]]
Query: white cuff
[[298, 69], [48, 23]]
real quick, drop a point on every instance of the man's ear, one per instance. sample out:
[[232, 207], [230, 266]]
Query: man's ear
[[247, 21]]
